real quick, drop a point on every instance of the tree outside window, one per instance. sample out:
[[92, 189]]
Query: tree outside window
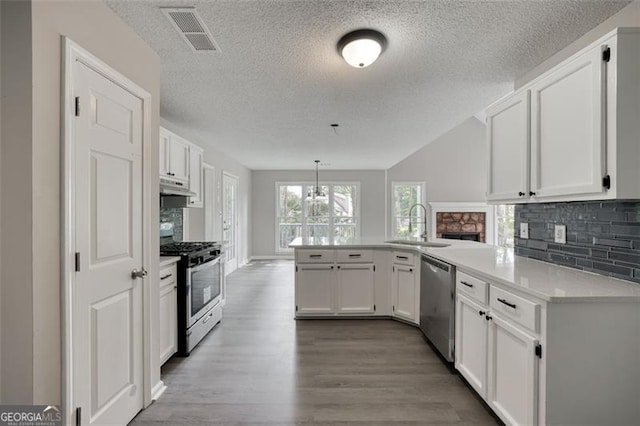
[[405, 195], [505, 223], [332, 218]]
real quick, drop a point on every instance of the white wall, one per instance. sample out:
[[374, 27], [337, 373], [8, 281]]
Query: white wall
[[31, 149], [453, 166], [17, 310], [195, 216], [372, 220], [627, 17]]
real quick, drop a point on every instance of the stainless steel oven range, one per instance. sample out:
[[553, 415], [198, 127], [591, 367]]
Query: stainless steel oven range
[[200, 286]]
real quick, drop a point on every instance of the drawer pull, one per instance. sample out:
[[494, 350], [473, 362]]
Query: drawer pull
[[466, 283], [315, 256], [355, 255], [481, 313], [402, 257], [504, 302], [165, 277]]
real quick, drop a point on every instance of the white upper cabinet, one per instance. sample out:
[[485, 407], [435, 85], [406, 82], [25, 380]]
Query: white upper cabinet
[[568, 142], [173, 156], [196, 177], [573, 132], [508, 148], [179, 158]]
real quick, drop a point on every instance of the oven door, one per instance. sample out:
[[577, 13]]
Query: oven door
[[203, 289]]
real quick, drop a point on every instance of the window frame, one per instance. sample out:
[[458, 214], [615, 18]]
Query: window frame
[[303, 221], [392, 215]]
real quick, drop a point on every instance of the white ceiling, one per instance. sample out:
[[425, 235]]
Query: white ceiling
[[268, 97]]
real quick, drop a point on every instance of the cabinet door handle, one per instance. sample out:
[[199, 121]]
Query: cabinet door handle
[[466, 283], [531, 193], [402, 257], [165, 277], [521, 194], [355, 255], [488, 318], [481, 313], [315, 256], [410, 269], [504, 302]]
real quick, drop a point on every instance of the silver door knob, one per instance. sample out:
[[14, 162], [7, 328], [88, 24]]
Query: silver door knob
[[138, 273]]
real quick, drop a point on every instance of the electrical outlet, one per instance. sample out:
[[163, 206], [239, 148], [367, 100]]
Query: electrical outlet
[[524, 231], [561, 234]]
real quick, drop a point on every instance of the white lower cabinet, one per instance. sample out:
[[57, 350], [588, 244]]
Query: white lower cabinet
[[314, 289], [405, 296], [355, 288], [512, 373], [471, 343], [168, 327]]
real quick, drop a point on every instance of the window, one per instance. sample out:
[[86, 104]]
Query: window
[[330, 219], [505, 221], [405, 195]]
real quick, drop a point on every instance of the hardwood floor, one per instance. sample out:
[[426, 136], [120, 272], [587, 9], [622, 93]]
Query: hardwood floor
[[261, 367]]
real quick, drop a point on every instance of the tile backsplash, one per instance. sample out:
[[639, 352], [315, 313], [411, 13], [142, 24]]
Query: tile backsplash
[[602, 237], [176, 216]]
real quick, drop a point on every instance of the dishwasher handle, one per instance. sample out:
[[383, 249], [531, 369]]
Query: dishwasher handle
[[440, 265]]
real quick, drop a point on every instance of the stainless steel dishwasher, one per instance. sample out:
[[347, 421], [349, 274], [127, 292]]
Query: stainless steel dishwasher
[[437, 304]]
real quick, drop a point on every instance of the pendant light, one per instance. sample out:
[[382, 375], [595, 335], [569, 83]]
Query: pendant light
[[361, 48], [316, 193]]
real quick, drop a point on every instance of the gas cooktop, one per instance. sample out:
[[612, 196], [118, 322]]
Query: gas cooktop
[[177, 248]]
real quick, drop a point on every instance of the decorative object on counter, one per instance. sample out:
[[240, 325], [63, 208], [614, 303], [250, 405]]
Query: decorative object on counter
[[361, 48], [601, 237]]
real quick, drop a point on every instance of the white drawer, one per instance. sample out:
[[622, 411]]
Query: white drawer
[[403, 258], [354, 256], [315, 256], [472, 287], [168, 275], [516, 308]]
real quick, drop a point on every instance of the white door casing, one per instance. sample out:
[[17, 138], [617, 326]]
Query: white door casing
[[209, 200], [106, 323], [230, 221]]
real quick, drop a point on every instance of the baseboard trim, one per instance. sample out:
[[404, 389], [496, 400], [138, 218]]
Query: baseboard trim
[[158, 390], [272, 257]]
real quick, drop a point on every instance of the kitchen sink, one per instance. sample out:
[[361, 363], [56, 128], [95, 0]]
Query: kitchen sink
[[418, 243]]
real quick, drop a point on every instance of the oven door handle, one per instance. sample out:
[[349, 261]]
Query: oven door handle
[[207, 264]]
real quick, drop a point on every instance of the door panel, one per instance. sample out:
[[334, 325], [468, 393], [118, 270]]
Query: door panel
[[566, 129], [355, 288], [404, 292], [107, 312], [314, 289], [471, 343]]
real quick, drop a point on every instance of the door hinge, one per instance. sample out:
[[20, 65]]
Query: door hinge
[[296, 268], [374, 308], [296, 308], [393, 268], [538, 351], [374, 268], [78, 416], [606, 182], [77, 261], [606, 54], [77, 106], [393, 308]]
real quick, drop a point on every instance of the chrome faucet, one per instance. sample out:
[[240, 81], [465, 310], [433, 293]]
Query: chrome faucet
[[424, 222]]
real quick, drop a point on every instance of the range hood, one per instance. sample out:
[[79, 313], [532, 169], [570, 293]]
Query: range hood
[[174, 187], [174, 194]]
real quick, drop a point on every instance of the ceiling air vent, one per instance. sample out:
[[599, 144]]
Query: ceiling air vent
[[191, 28]]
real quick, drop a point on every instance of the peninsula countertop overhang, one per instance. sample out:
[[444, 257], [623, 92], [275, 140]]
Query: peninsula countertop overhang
[[498, 265]]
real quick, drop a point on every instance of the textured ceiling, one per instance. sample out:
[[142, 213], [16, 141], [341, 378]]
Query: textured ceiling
[[268, 97]]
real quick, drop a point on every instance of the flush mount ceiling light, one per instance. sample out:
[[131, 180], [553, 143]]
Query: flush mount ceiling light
[[361, 48]]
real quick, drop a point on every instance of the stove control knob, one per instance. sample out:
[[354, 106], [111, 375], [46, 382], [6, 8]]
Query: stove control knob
[[138, 273]]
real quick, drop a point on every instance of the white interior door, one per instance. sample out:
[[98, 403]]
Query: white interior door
[[209, 200], [230, 221], [107, 306]]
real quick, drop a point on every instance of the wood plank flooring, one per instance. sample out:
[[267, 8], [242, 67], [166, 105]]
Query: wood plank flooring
[[261, 367]]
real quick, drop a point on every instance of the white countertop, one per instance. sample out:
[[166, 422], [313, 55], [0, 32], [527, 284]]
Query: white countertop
[[168, 260], [500, 266]]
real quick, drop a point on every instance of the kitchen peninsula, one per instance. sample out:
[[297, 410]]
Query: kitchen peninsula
[[540, 343]]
